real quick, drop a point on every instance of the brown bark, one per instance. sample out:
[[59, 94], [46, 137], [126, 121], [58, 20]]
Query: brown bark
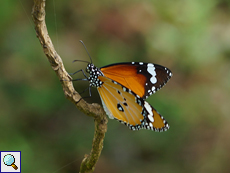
[[94, 110]]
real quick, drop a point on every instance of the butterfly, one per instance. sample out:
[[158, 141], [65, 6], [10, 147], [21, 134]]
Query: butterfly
[[123, 88]]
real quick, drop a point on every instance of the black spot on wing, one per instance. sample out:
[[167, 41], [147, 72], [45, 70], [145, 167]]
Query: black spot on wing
[[120, 108]]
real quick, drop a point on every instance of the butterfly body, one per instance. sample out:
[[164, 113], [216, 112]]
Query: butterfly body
[[123, 88]]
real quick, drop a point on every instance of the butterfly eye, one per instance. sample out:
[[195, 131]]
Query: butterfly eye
[[87, 69]]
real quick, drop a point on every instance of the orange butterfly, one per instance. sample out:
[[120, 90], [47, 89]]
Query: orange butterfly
[[123, 88]]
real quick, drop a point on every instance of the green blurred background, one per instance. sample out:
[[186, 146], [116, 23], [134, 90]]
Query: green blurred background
[[190, 37]]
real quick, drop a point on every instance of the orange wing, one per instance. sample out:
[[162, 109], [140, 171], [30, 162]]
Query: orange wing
[[122, 104], [143, 79]]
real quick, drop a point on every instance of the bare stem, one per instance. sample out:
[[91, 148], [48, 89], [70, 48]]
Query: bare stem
[[94, 110]]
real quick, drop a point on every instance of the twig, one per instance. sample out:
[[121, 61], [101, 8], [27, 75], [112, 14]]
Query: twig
[[94, 110]]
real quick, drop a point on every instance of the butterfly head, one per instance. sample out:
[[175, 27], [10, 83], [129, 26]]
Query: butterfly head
[[94, 72]]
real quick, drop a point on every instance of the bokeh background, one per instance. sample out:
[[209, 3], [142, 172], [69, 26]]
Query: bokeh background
[[190, 37]]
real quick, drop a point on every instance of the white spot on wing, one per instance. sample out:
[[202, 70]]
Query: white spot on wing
[[151, 70], [153, 80], [148, 108], [151, 118]]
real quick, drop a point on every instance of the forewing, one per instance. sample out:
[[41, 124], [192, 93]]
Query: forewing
[[143, 79]]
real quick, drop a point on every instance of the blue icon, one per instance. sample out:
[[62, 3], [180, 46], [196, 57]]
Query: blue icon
[[9, 160]]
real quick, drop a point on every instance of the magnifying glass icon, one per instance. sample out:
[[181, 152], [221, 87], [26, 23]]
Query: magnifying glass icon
[[9, 160]]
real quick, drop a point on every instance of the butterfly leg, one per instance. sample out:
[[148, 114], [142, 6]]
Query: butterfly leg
[[83, 92], [78, 79], [77, 72], [89, 88], [86, 78]]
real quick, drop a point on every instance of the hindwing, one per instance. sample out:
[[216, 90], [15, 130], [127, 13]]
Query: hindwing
[[127, 107]]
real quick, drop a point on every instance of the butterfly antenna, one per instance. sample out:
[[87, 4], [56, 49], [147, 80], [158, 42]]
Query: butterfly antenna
[[81, 61], [86, 50]]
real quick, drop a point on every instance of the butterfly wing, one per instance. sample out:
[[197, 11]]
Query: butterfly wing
[[125, 106], [144, 79]]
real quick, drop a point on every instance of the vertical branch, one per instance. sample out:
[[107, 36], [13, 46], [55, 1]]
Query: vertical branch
[[89, 162], [94, 110]]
